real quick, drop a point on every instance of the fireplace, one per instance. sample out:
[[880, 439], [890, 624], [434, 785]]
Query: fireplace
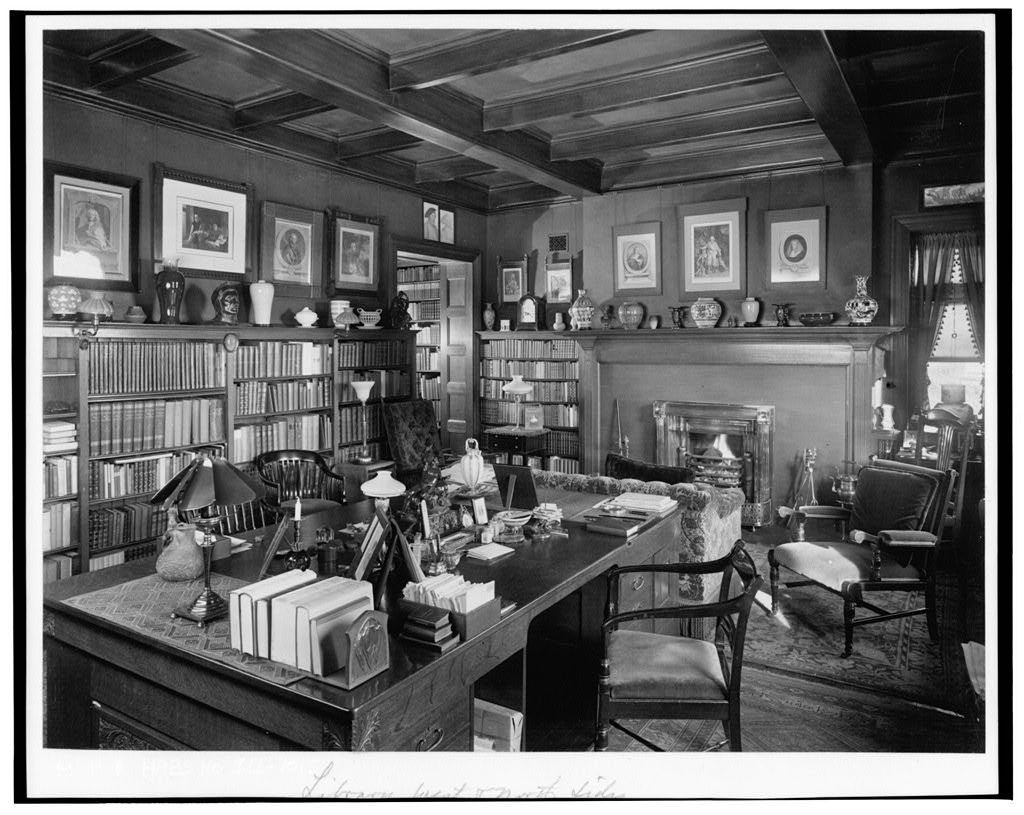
[[725, 445]]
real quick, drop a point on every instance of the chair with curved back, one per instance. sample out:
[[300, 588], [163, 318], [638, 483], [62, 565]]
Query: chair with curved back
[[291, 474], [647, 675], [895, 521]]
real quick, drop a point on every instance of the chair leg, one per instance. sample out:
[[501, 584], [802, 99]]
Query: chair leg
[[601, 735], [732, 729], [929, 609], [849, 610], [774, 580]]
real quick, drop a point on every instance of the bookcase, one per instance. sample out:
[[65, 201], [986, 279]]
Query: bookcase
[[550, 362], [422, 285], [386, 356]]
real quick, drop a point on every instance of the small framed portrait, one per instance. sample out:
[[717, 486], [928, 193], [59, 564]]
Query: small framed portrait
[[506, 325], [512, 282], [431, 222], [795, 247], [714, 245], [533, 416], [479, 510], [637, 260], [91, 228], [558, 285], [446, 226], [291, 249], [528, 313], [202, 222], [356, 244]]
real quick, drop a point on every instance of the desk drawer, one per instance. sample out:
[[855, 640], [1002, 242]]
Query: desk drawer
[[447, 728]]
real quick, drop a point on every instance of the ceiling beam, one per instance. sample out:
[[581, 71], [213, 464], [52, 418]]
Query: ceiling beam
[[446, 169], [811, 65], [490, 51], [134, 59], [320, 66], [747, 65], [375, 144], [523, 195], [280, 108], [679, 129]]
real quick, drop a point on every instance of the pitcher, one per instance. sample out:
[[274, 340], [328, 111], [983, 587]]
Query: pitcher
[[472, 464]]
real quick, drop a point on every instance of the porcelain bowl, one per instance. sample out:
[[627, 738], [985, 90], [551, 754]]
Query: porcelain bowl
[[814, 318]]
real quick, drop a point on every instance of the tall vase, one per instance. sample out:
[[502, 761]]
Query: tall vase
[[488, 316], [170, 289], [861, 308], [581, 312], [262, 294], [750, 308]]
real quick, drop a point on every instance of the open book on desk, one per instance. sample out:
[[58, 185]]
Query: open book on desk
[[625, 515]]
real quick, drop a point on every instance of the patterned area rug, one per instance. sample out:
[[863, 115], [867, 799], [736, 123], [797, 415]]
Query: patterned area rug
[[146, 604], [806, 639]]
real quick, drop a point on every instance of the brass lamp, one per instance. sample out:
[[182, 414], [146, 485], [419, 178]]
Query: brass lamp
[[203, 487], [518, 388], [362, 388]]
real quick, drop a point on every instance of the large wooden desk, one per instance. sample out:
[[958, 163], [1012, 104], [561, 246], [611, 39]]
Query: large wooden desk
[[107, 685]]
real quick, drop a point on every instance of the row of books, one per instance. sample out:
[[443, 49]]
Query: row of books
[[255, 397], [535, 349], [60, 525], [152, 424], [556, 464], [133, 366], [119, 478], [127, 555], [292, 619], [124, 523], [563, 443], [430, 387], [57, 567], [423, 290], [425, 310], [377, 352], [530, 369], [417, 274], [282, 358], [427, 359], [350, 423], [565, 390], [60, 476], [428, 334], [378, 450], [303, 432]]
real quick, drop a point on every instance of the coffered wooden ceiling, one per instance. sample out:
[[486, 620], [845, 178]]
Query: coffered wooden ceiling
[[492, 119]]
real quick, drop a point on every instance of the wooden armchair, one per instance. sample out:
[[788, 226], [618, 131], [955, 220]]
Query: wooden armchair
[[663, 676], [291, 474]]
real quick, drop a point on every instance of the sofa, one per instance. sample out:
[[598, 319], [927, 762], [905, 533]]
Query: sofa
[[708, 527]]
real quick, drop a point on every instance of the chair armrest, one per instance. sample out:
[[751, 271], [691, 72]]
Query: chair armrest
[[825, 511], [860, 536], [907, 537]]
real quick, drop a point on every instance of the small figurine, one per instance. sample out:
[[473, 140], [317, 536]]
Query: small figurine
[[226, 299], [398, 314], [781, 314]]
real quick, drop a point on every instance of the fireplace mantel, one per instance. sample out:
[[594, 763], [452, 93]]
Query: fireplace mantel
[[857, 352]]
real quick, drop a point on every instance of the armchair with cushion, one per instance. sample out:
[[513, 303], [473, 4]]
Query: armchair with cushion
[[413, 438], [291, 474], [894, 523], [663, 676]]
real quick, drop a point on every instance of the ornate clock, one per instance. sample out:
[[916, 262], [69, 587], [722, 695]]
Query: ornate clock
[[528, 313]]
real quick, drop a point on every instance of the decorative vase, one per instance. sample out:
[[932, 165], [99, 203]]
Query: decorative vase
[[134, 314], [861, 308], [706, 312], [750, 308], [369, 318], [262, 294], [559, 322], [170, 289], [678, 315], [631, 315], [653, 321], [781, 314], [306, 318], [488, 316], [181, 558], [472, 464], [64, 301], [581, 312]]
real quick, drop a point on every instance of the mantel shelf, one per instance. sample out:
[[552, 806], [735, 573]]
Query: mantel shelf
[[856, 336]]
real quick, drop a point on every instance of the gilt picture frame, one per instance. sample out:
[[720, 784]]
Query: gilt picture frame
[[203, 223], [713, 237], [291, 249], [355, 261], [795, 247], [90, 228], [512, 280], [637, 264]]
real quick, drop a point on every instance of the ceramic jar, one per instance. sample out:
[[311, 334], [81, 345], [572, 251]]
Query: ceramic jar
[[706, 312], [181, 558], [489, 316], [472, 464], [369, 318], [306, 318], [170, 290], [262, 294], [861, 308], [64, 302], [750, 308], [631, 315], [559, 324], [581, 312]]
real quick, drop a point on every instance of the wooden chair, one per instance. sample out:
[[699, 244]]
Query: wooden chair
[[897, 515], [413, 437], [662, 676], [291, 474]]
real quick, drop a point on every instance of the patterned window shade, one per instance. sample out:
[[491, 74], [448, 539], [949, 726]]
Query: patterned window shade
[[955, 333]]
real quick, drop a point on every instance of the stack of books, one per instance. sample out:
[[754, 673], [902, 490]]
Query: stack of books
[[60, 437], [626, 514], [429, 627]]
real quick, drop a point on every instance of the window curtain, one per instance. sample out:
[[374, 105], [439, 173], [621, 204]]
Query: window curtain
[[972, 257], [929, 287]]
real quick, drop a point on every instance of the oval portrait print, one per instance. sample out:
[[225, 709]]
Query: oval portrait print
[[291, 247], [636, 258], [794, 248]]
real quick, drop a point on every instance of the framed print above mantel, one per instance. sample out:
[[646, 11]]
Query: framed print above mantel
[[355, 261], [203, 223], [713, 237], [795, 247], [512, 280], [90, 228], [637, 266], [291, 249]]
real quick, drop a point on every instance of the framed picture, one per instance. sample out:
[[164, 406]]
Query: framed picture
[[558, 285], [90, 228], [202, 222], [637, 262], [533, 416], [291, 249], [446, 226], [512, 282], [953, 195], [714, 245], [356, 248], [431, 220], [795, 241]]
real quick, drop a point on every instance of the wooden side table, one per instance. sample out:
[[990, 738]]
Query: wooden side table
[[519, 440]]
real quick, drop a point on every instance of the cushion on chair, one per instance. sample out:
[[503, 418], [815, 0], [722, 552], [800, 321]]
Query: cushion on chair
[[833, 564], [616, 466], [659, 666], [890, 499]]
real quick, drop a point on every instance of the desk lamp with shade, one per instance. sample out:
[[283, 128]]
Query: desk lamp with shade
[[518, 389], [382, 488], [201, 489], [362, 388]]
